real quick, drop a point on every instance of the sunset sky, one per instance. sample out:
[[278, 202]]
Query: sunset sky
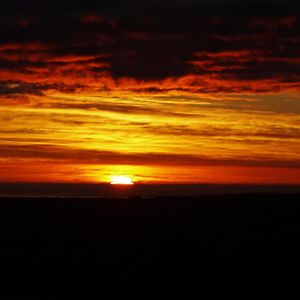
[[180, 91]]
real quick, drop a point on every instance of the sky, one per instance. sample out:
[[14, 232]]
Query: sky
[[166, 91]]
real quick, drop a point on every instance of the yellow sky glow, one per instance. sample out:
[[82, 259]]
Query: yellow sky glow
[[167, 138]]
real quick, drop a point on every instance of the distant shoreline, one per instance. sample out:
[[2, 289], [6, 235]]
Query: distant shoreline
[[138, 190]]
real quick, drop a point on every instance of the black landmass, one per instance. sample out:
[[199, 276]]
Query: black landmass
[[245, 245]]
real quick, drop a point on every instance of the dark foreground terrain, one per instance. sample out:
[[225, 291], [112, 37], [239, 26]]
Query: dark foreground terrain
[[246, 245]]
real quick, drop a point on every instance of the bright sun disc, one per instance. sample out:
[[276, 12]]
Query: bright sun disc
[[121, 180]]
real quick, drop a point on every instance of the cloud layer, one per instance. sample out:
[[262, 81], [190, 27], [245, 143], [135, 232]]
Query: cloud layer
[[181, 88]]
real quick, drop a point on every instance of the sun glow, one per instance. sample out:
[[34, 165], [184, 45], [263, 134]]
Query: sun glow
[[121, 180]]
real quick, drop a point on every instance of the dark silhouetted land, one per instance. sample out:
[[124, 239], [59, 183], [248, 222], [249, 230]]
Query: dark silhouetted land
[[221, 244]]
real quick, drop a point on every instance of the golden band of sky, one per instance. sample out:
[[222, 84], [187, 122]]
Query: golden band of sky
[[87, 137]]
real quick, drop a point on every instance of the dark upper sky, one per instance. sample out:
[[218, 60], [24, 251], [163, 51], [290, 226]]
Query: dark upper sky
[[155, 40]]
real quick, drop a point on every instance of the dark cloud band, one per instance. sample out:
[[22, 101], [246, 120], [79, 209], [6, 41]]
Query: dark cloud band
[[227, 42]]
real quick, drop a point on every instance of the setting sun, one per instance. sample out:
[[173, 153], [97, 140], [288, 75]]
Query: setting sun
[[121, 180]]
